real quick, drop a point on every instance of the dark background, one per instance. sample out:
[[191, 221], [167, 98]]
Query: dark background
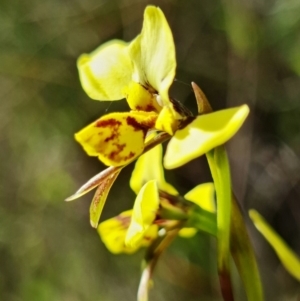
[[237, 51]]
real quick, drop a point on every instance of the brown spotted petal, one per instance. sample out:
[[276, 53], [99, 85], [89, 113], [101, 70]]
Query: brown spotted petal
[[117, 138]]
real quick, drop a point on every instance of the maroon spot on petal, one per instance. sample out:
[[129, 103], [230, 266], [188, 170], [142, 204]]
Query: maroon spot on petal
[[150, 108], [131, 155], [115, 155], [113, 136], [120, 147], [132, 122], [108, 123], [138, 126], [147, 108]]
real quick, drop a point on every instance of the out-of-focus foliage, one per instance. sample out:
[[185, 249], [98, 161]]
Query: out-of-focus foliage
[[237, 51], [289, 259]]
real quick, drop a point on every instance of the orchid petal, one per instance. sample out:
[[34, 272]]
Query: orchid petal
[[187, 232], [113, 232], [116, 138], [203, 134], [141, 99], [144, 213], [203, 196], [149, 167], [106, 71], [166, 120], [153, 53]]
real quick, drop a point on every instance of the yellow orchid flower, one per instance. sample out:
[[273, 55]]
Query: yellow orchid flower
[[152, 207], [136, 228], [141, 71], [144, 67], [146, 179], [113, 232]]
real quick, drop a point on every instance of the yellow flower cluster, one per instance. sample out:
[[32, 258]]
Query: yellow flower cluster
[[139, 227], [142, 71]]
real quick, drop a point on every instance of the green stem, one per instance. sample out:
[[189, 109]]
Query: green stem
[[203, 220], [240, 245], [151, 259], [218, 163]]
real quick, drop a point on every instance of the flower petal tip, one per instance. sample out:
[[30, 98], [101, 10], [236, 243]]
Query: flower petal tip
[[69, 199], [94, 225]]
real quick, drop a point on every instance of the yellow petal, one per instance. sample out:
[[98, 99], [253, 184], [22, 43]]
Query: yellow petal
[[287, 256], [116, 138], [144, 213], [106, 71], [141, 99], [187, 232], [167, 121], [153, 53], [149, 235], [203, 134], [113, 232], [203, 196], [149, 167]]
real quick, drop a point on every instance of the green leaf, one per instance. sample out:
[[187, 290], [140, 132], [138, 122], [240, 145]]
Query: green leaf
[[243, 255], [287, 257]]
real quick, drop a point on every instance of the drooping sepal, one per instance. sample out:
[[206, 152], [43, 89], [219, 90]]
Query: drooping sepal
[[117, 138]]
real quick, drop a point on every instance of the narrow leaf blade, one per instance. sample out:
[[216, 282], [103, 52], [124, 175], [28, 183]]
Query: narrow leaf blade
[[287, 257], [243, 255]]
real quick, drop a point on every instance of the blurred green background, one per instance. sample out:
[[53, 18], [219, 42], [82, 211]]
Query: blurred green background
[[237, 51]]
